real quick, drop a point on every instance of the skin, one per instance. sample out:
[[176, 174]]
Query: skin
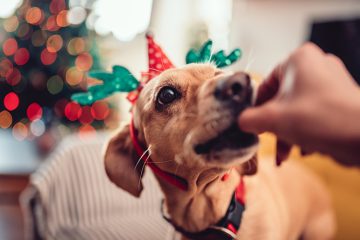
[[319, 110], [171, 133]]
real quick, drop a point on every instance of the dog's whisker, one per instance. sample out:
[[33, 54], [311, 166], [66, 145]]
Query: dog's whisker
[[143, 168], [138, 161]]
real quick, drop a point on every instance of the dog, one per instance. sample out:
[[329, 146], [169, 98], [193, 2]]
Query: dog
[[185, 118]]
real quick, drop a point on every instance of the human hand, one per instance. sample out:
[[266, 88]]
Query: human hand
[[310, 100]]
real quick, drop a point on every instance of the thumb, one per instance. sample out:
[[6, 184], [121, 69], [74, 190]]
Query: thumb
[[258, 119]]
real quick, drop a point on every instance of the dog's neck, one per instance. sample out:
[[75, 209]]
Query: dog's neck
[[205, 202]]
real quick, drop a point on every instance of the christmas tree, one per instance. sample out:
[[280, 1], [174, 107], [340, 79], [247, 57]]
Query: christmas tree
[[44, 58]]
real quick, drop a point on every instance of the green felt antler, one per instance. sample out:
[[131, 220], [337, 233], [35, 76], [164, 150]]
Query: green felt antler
[[219, 58], [120, 80]]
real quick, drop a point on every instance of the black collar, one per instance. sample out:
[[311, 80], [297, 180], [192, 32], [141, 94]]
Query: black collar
[[225, 229]]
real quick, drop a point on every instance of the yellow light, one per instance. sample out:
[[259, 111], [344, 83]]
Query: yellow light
[[5, 119], [54, 43], [11, 24], [74, 76], [76, 46]]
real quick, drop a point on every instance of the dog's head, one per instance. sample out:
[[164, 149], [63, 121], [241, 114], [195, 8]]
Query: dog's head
[[186, 117]]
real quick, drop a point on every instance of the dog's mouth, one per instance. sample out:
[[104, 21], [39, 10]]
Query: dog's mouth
[[231, 138]]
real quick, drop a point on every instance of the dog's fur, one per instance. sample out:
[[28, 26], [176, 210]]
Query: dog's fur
[[281, 203]]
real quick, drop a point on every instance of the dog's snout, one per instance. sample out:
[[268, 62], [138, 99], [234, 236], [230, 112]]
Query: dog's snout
[[234, 89]]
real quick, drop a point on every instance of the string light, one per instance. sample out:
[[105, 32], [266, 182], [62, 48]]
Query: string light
[[47, 58], [34, 111], [38, 38], [23, 31], [55, 84], [13, 77], [21, 56], [5, 119], [57, 6], [37, 127], [10, 46], [6, 66], [76, 46], [61, 19], [86, 116], [54, 43], [87, 131], [100, 110], [11, 101], [34, 15], [74, 76], [76, 15], [72, 111], [60, 107], [51, 24], [20, 131], [11, 24], [84, 61]]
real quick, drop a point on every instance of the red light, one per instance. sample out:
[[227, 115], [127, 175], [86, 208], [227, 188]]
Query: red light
[[10, 46], [72, 111], [21, 56], [34, 111], [11, 101], [13, 77], [57, 6], [86, 117], [47, 57], [100, 110], [60, 107]]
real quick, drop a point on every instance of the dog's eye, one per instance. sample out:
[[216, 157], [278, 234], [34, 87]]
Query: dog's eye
[[167, 95]]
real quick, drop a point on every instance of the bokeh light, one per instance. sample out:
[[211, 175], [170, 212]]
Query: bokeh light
[[13, 77], [11, 24], [87, 131], [6, 66], [59, 107], [21, 56], [23, 31], [55, 84], [100, 110], [34, 15], [72, 111], [84, 61], [34, 111], [37, 127], [61, 19], [76, 15], [11, 101], [51, 24], [38, 38], [8, 7], [54, 43], [74, 76], [5, 119], [57, 6], [86, 116], [20, 131], [10, 46], [76, 46], [47, 58]]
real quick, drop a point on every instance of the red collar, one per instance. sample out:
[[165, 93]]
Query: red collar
[[168, 177]]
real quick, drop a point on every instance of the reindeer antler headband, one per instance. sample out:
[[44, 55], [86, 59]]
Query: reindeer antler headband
[[121, 79]]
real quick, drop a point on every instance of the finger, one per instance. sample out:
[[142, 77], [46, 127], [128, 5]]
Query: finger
[[282, 151], [270, 86], [259, 119]]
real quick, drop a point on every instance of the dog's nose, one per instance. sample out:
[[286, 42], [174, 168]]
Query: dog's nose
[[234, 89]]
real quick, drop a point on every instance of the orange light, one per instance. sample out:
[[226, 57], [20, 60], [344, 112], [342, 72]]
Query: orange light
[[21, 56], [5, 119], [20, 131], [54, 43], [33, 15], [84, 61], [13, 77], [61, 19], [47, 58], [87, 131], [74, 76], [10, 46], [11, 24]]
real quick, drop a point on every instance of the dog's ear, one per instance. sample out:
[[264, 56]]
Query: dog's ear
[[249, 167], [120, 163]]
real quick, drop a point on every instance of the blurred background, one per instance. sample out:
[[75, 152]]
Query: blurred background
[[47, 47]]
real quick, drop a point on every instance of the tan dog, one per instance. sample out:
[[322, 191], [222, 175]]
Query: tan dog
[[186, 118]]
